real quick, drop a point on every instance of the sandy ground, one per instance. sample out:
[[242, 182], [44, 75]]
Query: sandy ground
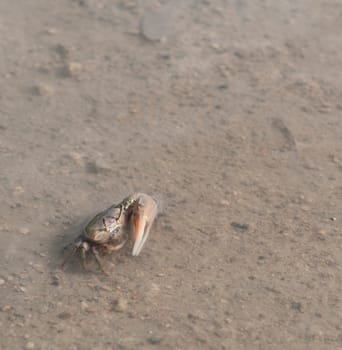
[[228, 111]]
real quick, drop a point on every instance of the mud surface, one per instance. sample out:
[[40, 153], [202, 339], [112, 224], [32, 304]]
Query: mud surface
[[229, 111]]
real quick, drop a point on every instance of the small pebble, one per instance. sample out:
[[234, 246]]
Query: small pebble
[[15, 205], [335, 159], [84, 306], [305, 208], [168, 228], [7, 308], [76, 157], [64, 315], [322, 234], [153, 290], [224, 202], [296, 306], [43, 309], [120, 305], [104, 287], [52, 31], [44, 90], [99, 166], [240, 226], [18, 190], [37, 267], [216, 46], [24, 230], [2, 281], [128, 4], [55, 280], [156, 26], [73, 69], [62, 51], [22, 289], [29, 345], [154, 340]]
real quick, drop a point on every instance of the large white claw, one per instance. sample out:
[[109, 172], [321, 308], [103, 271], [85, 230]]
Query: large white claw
[[144, 212]]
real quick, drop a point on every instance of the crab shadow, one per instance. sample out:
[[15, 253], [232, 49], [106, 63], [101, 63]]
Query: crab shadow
[[61, 246]]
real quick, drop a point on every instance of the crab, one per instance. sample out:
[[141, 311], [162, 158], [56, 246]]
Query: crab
[[111, 229]]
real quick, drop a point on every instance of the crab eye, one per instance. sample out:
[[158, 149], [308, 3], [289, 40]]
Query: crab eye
[[115, 232]]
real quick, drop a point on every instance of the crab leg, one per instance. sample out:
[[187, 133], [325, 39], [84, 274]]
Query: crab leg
[[83, 258], [98, 260], [144, 212]]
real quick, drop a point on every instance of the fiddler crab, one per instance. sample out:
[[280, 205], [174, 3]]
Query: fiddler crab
[[111, 229]]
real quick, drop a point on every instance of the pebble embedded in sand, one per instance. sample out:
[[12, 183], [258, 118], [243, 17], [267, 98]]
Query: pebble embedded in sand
[[120, 305], [154, 339], [216, 46], [104, 287], [18, 190], [298, 306], [55, 280], [62, 51], [128, 4], [77, 157], [335, 159], [84, 306], [240, 226], [99, 166], [44, 90], [169, 228], [43, 309], [73, 69], [7, 308], [29, 345], [51, 31], [155, 26], [24, 230], [64, 315], [322, 232]]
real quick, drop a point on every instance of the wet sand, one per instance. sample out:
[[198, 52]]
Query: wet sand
[[229, 112]]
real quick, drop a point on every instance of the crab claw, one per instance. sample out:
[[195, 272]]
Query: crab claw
[[144, 212]]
